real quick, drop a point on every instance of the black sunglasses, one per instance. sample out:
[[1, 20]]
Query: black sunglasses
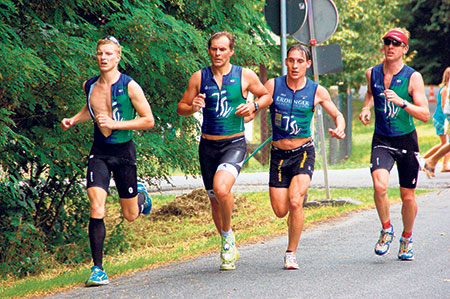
[[113, 39], [395, 43]]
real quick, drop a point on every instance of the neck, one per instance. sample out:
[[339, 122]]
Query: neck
[[296, 84], [393, 67], [222, 70], [110, 77]]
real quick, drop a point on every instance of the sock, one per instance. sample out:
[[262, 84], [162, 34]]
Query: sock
[[97, 233], [387, 225], [288, 251], [140, 202], [406, 235], [227, 234]]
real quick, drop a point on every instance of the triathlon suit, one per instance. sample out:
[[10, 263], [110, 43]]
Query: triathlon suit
[[219, 119], [395, 137], [291, 114], [439, 116], [115, 153]]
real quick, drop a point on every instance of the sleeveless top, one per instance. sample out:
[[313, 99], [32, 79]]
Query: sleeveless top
[[219, 116], [390, 119], [291, 112], [439, 115], [122, 109]]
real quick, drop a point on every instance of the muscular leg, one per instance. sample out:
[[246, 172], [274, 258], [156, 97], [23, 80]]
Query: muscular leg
[[380, 178], [216, 215], [290, 200], [409, 208], [223, 182], [130, 208]]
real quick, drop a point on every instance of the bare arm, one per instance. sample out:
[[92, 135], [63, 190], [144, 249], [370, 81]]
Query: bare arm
[[140, 103], [323, 98], [192, 101], [444, 93], [365, 114], [82, 116], [419, 108], [252, 84]]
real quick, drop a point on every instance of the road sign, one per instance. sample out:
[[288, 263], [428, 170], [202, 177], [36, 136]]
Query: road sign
[[295, 15], [325, 19], [329, 60]]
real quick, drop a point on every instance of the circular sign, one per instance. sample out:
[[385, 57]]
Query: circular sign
[[295, 15], [324, 18]]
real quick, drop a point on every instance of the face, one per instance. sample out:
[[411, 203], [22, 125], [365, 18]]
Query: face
[[108, 57], [220, 51], [297, 64], [394, 50]]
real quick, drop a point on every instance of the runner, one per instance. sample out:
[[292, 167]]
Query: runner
[[397, 92], [113, 149], [221, 90], [293, 155]]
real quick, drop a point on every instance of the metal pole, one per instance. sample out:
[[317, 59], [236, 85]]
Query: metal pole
[[312, 43], [283, 35]]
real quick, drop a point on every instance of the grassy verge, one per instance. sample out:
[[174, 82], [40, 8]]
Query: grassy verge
[[181, 228]]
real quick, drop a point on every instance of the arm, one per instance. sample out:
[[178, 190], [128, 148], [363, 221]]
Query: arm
[[192, 101], [140, 103], [365, 114], [82, 116], [323, 98], [419, 108], [252, 84], [444, 99]]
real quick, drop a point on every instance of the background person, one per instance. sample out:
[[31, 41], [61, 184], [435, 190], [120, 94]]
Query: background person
[[221, 90], [113, 149], [293, 155], [398, 95]]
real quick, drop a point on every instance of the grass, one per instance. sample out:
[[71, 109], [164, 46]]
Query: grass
[[163, 238]]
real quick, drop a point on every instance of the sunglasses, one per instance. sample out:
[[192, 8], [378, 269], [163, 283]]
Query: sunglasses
[[395, 43], [113, 39]]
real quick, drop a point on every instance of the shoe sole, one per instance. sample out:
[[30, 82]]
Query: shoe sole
[[231, 264], [406, 258], [291, 268], [96, 284], [383, 254]]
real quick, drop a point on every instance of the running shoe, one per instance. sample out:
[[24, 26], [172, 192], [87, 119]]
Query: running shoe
[[228, 253], [148, 200], [405, 252], [98, 277], [290, 261], [384, 242]]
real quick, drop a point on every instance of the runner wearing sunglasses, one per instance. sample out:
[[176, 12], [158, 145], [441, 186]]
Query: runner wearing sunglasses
[[398, 95]]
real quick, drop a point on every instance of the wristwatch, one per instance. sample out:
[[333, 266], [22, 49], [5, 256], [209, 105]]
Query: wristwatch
[[405, 103], [256, 106]]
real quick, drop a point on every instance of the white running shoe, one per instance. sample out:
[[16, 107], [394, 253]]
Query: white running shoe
[[290, 261]]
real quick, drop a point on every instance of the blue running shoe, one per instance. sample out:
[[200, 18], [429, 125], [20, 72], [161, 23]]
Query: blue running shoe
[[384, 242], [98, 277], [405, 252], [148, 200]]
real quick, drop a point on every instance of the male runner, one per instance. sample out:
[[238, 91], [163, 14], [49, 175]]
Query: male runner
[[113, 99], [398, 95], [220, 90], [293, 155]]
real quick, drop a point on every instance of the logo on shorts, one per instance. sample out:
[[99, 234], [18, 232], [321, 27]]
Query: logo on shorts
[[130, 190]]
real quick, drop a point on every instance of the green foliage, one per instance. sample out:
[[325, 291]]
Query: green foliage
[[46, 53], [429, 25]]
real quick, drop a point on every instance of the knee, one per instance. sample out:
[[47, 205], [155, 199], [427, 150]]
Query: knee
[[296, 203], [280, 212], [380, 187], [221, 192], [130, 217], [97, 210]]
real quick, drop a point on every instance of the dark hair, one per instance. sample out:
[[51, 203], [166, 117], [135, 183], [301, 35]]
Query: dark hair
[[220, 34], [301, 48]]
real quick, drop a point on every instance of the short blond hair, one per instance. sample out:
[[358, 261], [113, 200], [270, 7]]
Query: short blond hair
[[402, 30], [110, 41], [445, 77]]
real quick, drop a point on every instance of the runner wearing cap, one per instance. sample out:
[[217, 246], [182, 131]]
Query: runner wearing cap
[[398, 95]]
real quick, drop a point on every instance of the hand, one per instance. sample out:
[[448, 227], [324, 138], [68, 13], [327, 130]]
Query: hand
[[245, 110], [66, 123], [391, 96], [364, 116], [337, 133], [104, 121], [198, 102]]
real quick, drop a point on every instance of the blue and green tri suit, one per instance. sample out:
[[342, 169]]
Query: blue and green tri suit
[[291, 114], [115, 153], [220, 119], [395, 137]]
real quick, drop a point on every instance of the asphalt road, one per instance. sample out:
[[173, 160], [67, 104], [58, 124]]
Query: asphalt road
[[336, 260]]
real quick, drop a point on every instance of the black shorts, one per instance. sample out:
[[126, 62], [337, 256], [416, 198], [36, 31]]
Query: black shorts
[[227, 154], [120, 159], [403, 150], [285, 164]]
